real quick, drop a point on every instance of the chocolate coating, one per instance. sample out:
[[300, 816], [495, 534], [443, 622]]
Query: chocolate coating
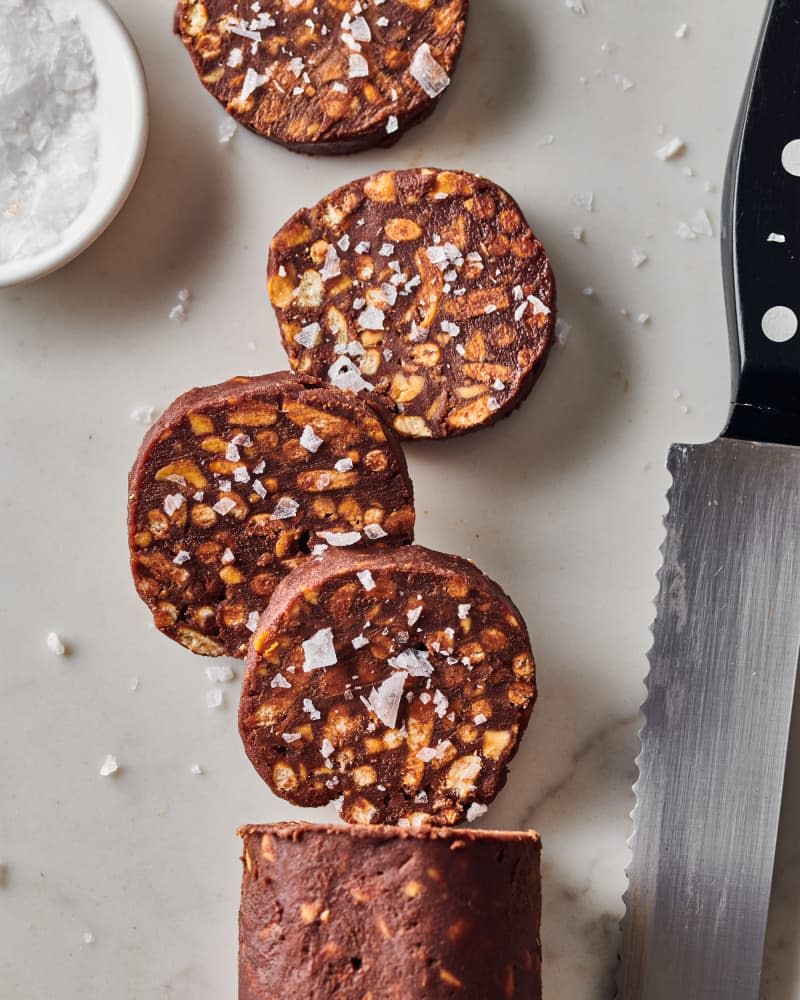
[[234, 483], [380, 913], [316, 78], [396, 683], [426, 288]]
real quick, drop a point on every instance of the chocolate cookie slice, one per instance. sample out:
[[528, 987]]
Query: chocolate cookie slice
[[325, 76], [237, 483], [347, 913], [425, 287], [394, 683]]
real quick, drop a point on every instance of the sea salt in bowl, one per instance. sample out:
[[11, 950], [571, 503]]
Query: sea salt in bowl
[[120, 119]]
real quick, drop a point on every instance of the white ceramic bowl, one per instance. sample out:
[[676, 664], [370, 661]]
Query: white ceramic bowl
[[121, 114]]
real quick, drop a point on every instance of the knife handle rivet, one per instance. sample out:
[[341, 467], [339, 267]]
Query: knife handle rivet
[[779, 324], [790, 158]]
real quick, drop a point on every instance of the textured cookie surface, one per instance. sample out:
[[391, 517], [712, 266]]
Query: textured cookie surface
[[327, 76], [396, 684], [425, 287], [349, 913], [235, 485]]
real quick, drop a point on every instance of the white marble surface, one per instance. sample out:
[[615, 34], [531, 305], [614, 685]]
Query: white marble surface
[[562, 503]]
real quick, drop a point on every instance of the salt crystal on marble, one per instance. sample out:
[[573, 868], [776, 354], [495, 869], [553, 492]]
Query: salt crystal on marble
[[576, 6], [143, 415], [109, 766], [87, 937], [48, 134], [226, 130], [563, 330], [671, 149], [584, 200], [214, 698], [638, 257], [682, 31], [196, 769], [219, 674], [54, 644]]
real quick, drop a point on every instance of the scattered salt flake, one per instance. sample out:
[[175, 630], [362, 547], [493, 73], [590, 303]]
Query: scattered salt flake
[[109, 766], [143, 415], [366, 579], [588, 291], [87, 937], [285, 508], [701, 223], [340, 539], [479, 719], [682, 31], [310, 709], [392, 124], [318, 550], [279, 681], [453, 329], [563, 330], [344, 465], [235, 57], [224, 506], [546, 140], [214, 697], [638, 257], [576, 6], [55, 645], [643, 318], [345, 375], [776, 238], [219, 673], [291, 737], [685, 231], [386, 250], [539, 308], [327, 748], [196, 769], [241, 475], [133, 684], [373, 532], [358, 66], [330, 268], [475, 811], [584, 200], [362, 247], [623, 82], [578, 233], [252, 81], [309, 335], [226, 130], [252, 621], [440, 703], [319, 650], [412, 661], [310, 440], [172, 503], [671, 149], [413, 615], [385, 700], [463, 611], [421, 797], [492, 404], [427, 72], [232, 453], [227, 557], [360, 641]]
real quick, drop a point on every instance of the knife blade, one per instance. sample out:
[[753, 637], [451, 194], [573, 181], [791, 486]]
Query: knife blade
[[726, 637]]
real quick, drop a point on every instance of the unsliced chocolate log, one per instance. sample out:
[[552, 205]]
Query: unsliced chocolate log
[[381, 913], [236, 483], [424, 287], [396, 684], [325, 76]]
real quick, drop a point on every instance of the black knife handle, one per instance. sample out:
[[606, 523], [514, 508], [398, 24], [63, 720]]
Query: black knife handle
[[762, 277]]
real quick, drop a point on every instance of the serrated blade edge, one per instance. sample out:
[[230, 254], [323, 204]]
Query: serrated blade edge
[[722, 674]]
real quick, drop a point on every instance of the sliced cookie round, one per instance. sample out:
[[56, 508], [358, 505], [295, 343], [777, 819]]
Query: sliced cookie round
[[426, 287], [325, 76], [396, 684], [237, 483], [352, 912]]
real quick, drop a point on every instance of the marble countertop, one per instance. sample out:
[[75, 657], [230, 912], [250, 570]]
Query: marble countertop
[[127, 887]]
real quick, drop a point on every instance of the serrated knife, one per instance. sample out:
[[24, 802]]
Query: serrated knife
[[727, 630]]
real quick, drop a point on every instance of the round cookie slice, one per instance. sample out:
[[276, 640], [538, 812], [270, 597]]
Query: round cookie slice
[[325, 76], [237, 483], [425, 287], [396, 684]]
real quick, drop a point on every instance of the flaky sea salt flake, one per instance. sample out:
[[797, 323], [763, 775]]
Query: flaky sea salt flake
[[109, 766], [319, 650], [310, 440], [427, 71], [55, 644]]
